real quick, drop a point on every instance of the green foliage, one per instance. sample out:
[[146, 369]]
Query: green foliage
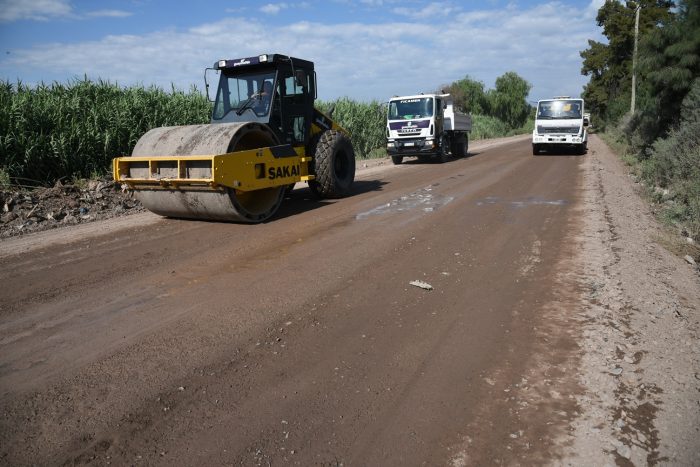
[[669, 62], [675, 163], [469, 95], [49, 132], [663, 135], [485, 126], [366, 122], [4, 178], [508, 101], [609, 65], [74, 130], [495, 112]]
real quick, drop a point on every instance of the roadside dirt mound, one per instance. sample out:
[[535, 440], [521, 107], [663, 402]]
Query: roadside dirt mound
[[33, 210]]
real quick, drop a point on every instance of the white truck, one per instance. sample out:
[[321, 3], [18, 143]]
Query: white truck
[[426, 126], [560, 123]]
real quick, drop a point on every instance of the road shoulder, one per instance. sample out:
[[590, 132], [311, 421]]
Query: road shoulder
[[640, 363]]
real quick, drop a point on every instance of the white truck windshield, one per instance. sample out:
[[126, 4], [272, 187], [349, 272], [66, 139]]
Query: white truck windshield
[[559, 110], [406, 109]]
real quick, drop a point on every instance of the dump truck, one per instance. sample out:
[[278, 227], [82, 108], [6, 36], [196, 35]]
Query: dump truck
[[426, 126], [560, 122], [265, 135]]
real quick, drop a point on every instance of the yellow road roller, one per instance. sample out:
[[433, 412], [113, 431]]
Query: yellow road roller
[[265, 135]]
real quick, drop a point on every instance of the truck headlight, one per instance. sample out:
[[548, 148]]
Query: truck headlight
[[390, 145]]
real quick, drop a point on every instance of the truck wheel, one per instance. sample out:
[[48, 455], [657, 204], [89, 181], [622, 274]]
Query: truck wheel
[[460, 146], [442, 154], [456, 147], [334, 165], [397, 160], [535, 149], [582, 149]]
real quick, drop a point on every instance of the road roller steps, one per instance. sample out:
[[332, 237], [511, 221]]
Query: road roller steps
[[265, 135]]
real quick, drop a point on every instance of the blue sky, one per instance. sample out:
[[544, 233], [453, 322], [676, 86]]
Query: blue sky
[[364, 49]]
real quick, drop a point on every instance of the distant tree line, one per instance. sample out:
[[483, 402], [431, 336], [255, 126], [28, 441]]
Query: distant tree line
[[507, 102], [663, 133]]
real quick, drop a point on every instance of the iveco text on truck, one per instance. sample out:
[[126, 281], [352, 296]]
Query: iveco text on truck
[[426, 126], [560, 122]]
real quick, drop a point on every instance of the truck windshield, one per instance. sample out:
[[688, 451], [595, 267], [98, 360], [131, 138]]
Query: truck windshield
[[559, 109], [248, 92], [406, 109]]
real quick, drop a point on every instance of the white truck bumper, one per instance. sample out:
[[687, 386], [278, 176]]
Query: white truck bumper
[[557, 139]]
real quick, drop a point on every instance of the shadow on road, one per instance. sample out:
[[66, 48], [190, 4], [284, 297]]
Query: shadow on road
[[559, 152], [302, 200]]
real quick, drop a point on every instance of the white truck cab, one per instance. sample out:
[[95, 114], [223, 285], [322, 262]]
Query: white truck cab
[[426, 126], [560, 122]]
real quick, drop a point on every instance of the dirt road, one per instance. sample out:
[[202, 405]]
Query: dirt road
[[301, 341]]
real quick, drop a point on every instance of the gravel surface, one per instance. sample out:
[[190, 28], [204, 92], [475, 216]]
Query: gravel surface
[[558, 331], [640, 320]]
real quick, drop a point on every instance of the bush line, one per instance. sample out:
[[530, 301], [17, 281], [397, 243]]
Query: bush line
[[74, 130]]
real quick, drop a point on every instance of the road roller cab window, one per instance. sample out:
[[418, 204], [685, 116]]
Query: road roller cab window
[[295, 97], [244, 97]]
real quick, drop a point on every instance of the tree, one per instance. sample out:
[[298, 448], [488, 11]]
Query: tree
[[508, 101], [468, 95], [610, 65], [669, 64]]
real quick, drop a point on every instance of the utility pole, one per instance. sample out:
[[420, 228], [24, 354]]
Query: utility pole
[[634, 57]]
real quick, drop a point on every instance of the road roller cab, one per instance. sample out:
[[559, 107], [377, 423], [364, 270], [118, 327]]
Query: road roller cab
[[265, 135], [273, 89]]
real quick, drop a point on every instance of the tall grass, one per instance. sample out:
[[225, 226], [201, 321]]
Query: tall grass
[[366, 122], [58, 131], [49, 132], [485, 126]]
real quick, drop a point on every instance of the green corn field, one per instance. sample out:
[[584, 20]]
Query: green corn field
[[74, 130], [57, 131]]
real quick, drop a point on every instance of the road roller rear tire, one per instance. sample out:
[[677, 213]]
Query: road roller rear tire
[[334, 165]]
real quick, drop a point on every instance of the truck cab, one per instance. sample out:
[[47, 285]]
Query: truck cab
[[560, 123], [426, 126]]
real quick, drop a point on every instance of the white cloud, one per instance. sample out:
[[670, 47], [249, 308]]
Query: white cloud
[[363, 61], [109, 14], [593, 7], [432, 10], [45, 10], [38, 10], [273, 8]]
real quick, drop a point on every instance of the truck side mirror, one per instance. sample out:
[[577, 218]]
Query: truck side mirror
[[586, 122]]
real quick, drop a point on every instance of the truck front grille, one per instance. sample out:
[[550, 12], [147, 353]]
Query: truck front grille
[[561, 130]]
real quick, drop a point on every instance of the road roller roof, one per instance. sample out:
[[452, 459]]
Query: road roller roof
[[262, 60]]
